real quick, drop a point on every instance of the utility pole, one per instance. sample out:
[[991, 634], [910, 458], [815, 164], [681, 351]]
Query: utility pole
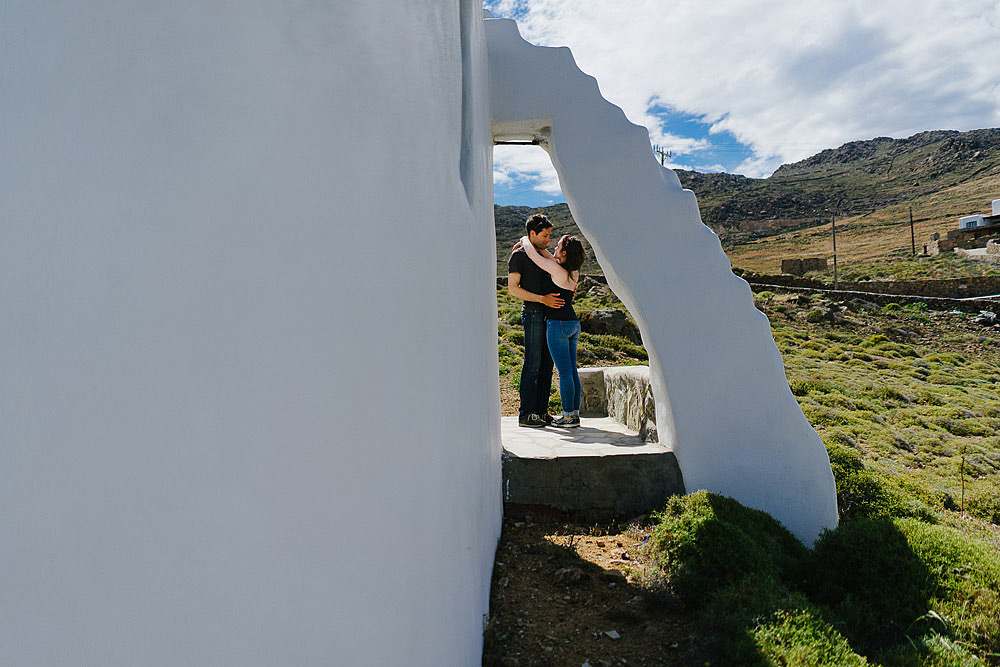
[[662, 153], [833, 224], [913, 241]]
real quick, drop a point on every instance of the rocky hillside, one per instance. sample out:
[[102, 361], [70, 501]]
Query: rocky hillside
[[858, 178]]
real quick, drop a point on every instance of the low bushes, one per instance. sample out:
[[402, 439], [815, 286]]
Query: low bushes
[[866, 493], [704, 540], [896, 591]]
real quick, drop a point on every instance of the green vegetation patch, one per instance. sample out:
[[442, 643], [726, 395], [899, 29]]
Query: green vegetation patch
[[803, 637], [703, 541], [889, 580], [863, 492], [893, 591]]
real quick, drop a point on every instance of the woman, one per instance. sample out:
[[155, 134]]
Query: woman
[[562, 328]]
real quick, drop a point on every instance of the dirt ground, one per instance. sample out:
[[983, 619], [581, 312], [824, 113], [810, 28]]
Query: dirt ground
[[562, 595], [565, 594], [509, 398]]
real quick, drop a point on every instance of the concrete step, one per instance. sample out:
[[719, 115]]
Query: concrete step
[[599, 472]]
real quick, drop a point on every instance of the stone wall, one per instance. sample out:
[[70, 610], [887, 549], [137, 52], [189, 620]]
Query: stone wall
[[933, 303], [987, 254], [949, 288], [798, 267], [623, 393], [967, 239]]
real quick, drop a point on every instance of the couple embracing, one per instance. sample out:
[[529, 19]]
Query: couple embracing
[[546, 283]]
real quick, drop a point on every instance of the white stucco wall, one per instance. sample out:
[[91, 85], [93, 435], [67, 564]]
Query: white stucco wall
[[246, 417], [722, 402]]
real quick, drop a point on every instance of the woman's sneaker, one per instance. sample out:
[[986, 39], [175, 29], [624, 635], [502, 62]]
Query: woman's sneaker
[[567, 422]]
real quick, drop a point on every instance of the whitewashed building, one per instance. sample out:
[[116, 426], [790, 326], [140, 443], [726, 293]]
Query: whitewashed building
[[248, 414]]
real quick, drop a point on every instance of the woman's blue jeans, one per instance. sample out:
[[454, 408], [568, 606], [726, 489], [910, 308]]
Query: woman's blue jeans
[[562, 336]]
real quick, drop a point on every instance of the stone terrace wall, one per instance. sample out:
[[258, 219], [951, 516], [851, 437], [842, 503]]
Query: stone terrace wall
[[933, 303], [623, 393], [948, 288]]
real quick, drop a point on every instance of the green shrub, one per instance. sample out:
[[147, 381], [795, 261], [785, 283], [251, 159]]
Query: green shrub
[[985, 504], [948, 358], [889, 581], [555, 402], [837, 437], [899, 591], [704, 541], [614, 344], [731, 614], [931, 650], [965, 588], [591, 351], [866, 572], [803, 387], [760, 621], [866, 493], [887, 393], [803, 638]]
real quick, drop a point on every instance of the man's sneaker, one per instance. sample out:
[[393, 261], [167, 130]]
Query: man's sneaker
[[548, 418], [532, 421], [567, 422]]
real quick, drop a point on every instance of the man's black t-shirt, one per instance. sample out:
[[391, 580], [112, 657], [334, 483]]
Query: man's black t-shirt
[[533, 278]]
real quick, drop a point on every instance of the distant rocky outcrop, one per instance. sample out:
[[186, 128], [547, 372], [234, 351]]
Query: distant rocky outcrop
[[855, 178], [609, 321]]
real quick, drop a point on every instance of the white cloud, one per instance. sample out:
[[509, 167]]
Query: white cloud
[[525, 164], [674, 143], [786, 77]]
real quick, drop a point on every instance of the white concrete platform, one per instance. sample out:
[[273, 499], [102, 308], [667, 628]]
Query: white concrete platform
[[596, 436], [597, 472]]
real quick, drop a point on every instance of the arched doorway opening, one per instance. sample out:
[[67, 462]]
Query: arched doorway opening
[[610, 336], [723, 405]]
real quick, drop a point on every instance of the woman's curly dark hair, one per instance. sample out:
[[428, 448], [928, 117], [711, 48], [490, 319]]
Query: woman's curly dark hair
[[575, 254]]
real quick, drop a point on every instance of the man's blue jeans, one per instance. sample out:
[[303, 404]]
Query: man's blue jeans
[[562, 336], [536, 374]]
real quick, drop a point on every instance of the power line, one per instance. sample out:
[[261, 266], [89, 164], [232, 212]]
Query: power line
[[662, 153]]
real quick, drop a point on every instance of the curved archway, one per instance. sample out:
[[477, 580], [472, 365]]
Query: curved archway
[[722, 401]]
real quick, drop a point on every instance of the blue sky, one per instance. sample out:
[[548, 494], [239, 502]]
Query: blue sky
[[695, 147], [744, 86]]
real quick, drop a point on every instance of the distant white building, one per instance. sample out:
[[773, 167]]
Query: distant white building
[[973, 233], [970, 221], [979, 220]]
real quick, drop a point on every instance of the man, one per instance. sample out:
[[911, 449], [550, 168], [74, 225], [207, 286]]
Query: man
[[532, 285]]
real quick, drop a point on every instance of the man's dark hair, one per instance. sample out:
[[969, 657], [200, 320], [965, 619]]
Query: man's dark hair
[[536, 223]]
